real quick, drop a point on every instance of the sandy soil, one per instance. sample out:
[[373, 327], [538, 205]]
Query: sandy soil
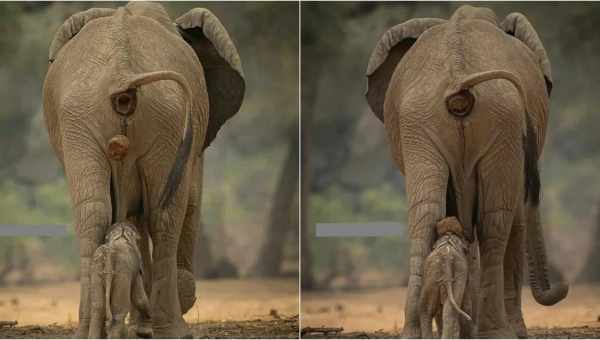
[[225, 308], [379, 313], [259, 328]]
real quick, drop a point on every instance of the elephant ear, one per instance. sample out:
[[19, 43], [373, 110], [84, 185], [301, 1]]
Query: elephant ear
[[221, 63], [517, 25], [388, 52], [72, 26]]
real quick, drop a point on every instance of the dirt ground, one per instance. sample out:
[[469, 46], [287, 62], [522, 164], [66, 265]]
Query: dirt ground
[[252, 308], [378, 313]]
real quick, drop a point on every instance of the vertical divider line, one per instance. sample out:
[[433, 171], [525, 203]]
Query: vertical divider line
[[299, 168]]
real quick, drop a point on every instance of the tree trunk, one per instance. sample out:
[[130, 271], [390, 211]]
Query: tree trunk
[[280, 222]]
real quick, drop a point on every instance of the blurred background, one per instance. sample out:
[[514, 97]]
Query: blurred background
[[250, 206], [348, 174]]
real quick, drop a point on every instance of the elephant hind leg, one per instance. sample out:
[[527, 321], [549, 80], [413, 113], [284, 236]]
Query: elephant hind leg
[[139, 300], [429, 304], [513, 276], [165, 230], [186, 281], [439, 323], [97, 328], [450, 319], [498, 202], [120, 303]]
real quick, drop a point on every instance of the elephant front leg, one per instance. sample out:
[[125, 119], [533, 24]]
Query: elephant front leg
[[513, 276]]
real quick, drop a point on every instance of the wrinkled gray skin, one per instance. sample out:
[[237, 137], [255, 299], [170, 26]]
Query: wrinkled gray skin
[[133, 72], [117, 285], [445, 276], [465, 106]]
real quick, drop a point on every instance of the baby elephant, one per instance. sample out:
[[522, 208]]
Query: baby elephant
[[117, 285], [444, 281]]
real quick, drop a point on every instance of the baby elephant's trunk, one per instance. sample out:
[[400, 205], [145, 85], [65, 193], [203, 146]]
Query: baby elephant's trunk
[[124, 102]]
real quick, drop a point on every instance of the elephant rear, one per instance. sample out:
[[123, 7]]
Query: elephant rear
[[126, 103]]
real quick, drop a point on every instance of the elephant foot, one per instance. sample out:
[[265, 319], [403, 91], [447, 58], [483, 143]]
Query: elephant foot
[[497, 333], [518, 326], [179, 330], [410, 332], [515, 318], [144, 332], [82, 331], [186, 287]]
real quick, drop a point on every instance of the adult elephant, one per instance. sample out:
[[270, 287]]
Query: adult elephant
[[131, 100], [465, 105]]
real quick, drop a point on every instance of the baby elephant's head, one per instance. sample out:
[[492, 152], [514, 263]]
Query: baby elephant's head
[[449, 225], [122, 229]]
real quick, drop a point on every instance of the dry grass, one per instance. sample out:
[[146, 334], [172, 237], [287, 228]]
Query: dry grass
[[218, 300], [382, 309]]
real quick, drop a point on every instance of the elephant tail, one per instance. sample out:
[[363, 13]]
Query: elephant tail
[[459, 99], [543, 291], [459, 102], [449, 289], [124, 101]]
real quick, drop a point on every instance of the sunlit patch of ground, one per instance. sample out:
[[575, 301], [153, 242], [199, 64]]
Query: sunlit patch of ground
[[382, 309], [219, 304]]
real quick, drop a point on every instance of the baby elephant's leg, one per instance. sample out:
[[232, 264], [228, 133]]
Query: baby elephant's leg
[[428, 307], [439, 323], [139, 299], [455, 290], [120, 304]]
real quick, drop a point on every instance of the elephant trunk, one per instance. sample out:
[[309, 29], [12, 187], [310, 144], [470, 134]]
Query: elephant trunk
[[124, 101], [544, 293]]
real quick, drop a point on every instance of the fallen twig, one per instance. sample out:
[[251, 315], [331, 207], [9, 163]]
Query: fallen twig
[[324, 330], [8, 323]]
